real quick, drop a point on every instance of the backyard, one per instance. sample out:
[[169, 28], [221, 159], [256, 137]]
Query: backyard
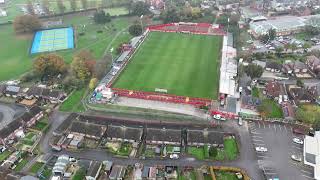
[[4, 155], [36, 167], [223, 175], [270, 109]]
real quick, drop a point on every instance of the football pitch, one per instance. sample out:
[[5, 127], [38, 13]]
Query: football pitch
[[184, 64]]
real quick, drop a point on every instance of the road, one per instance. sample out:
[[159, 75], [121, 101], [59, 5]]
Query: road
[[247, 159]]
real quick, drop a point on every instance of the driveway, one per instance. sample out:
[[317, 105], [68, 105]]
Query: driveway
[[277, 138]]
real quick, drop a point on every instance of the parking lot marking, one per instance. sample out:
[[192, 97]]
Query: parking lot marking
[[307, 176], [258, 140], [286, 129], [297, 147], [280, 127], [264, 125], [259, 125], [255, 132], [259, 144], [269, 126], [257, 137], [307, 172]]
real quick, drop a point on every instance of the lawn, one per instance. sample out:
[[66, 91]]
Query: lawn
[[184, 64], [255, 92], [125, 149], [4, 155], [117, 11], [40, 125], [30, 135], [222, 175], [230, 148], [270, 109], [36, 167], [189, 175], [80, 174], [73, 100], [197, 152], [46, 173], [14, 55], [21, 165]]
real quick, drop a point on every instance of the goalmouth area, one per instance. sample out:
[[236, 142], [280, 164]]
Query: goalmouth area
[[184, 64]]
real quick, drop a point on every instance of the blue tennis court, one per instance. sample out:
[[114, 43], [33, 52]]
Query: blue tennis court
[[52, 40]]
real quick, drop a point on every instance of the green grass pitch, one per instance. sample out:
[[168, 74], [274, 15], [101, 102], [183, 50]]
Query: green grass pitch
[[184, 64]]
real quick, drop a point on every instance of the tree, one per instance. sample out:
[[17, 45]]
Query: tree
[[30, 8], [79, 69], [84, 4], [306, 46], [135, 30], [88, 58], [26, 24], [279, 51], [101, 67], [287, 46], [45, 6], [300, 83], [312, 30], [100, 17], [49, 65], [170, 15], [61, 6], [140, 8], [93, 83], [213, 151], [73, 5], [293, 47], [253, 71], [269, 36]]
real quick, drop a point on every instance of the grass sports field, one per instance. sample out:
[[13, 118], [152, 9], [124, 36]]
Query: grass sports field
[[184, 64]]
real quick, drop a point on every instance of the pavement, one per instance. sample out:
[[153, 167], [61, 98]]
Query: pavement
[[277, 138]]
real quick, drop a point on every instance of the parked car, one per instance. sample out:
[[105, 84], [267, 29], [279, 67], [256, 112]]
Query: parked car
[[174, 156], [296, 158], [219, 117], [240, 121], [72, 159], [297, 140], [240, 89], [261, 149], [2, 149]]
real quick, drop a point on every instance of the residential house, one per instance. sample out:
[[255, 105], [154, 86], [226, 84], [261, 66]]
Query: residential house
[[313, 63], [117, 172], [205, 137], [273, 66], [12, 91], [296, 67], [276, 91], [163, 136], [87, 130], [10, 131], [65, 124], [124, 133], [11, 160], [53, 96], [314, 92], [94, 170], [299, 95], [35, 113]]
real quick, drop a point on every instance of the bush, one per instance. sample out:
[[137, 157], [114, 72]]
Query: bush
[[213, 151], [135, 30]]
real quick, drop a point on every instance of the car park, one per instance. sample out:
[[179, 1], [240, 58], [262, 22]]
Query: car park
[[261, 149], [297, 140], [296, 158]]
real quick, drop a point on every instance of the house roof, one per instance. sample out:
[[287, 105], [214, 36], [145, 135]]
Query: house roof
[[66, 123], [299, 94], [117, 172], [88, 129], [273, 65], [26, 117], [273, 88], [313, 60], [170, 135], [204, 136], [124, 132], [34, 91], [11, 127], [35, 110], [12, 89], [94, 168]]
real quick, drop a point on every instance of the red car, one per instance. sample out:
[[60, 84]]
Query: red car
[[298, 131]]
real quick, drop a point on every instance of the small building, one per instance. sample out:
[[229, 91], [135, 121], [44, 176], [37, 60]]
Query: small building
[[313, 63], [124, 133], [163, 136], [117, 172], [12, 91], [205, 137], [275, 90], [94, 170], [311, 153]]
